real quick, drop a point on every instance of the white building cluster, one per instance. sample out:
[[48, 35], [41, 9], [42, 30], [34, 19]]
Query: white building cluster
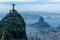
[[44, 36]]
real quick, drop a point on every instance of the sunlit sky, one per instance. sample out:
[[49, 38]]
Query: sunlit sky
[[31, 5]]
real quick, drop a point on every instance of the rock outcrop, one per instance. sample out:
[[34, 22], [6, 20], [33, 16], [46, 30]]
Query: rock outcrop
[[41, 24]]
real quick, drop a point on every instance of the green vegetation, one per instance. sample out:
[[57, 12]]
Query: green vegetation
[[12, 27]]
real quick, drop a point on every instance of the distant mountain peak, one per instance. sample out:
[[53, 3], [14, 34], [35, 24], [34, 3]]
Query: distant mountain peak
[[41, 19]]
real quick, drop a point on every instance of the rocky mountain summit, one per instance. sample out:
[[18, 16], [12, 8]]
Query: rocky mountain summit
[[12, 26], [41, 24]]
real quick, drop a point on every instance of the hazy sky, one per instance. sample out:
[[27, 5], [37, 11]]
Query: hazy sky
[[29, 0], [32, 5]]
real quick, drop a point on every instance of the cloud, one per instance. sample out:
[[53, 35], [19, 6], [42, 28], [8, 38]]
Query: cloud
[[32, 7]]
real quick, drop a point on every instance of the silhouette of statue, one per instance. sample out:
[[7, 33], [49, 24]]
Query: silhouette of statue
[[13, 6], [13, 26]]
